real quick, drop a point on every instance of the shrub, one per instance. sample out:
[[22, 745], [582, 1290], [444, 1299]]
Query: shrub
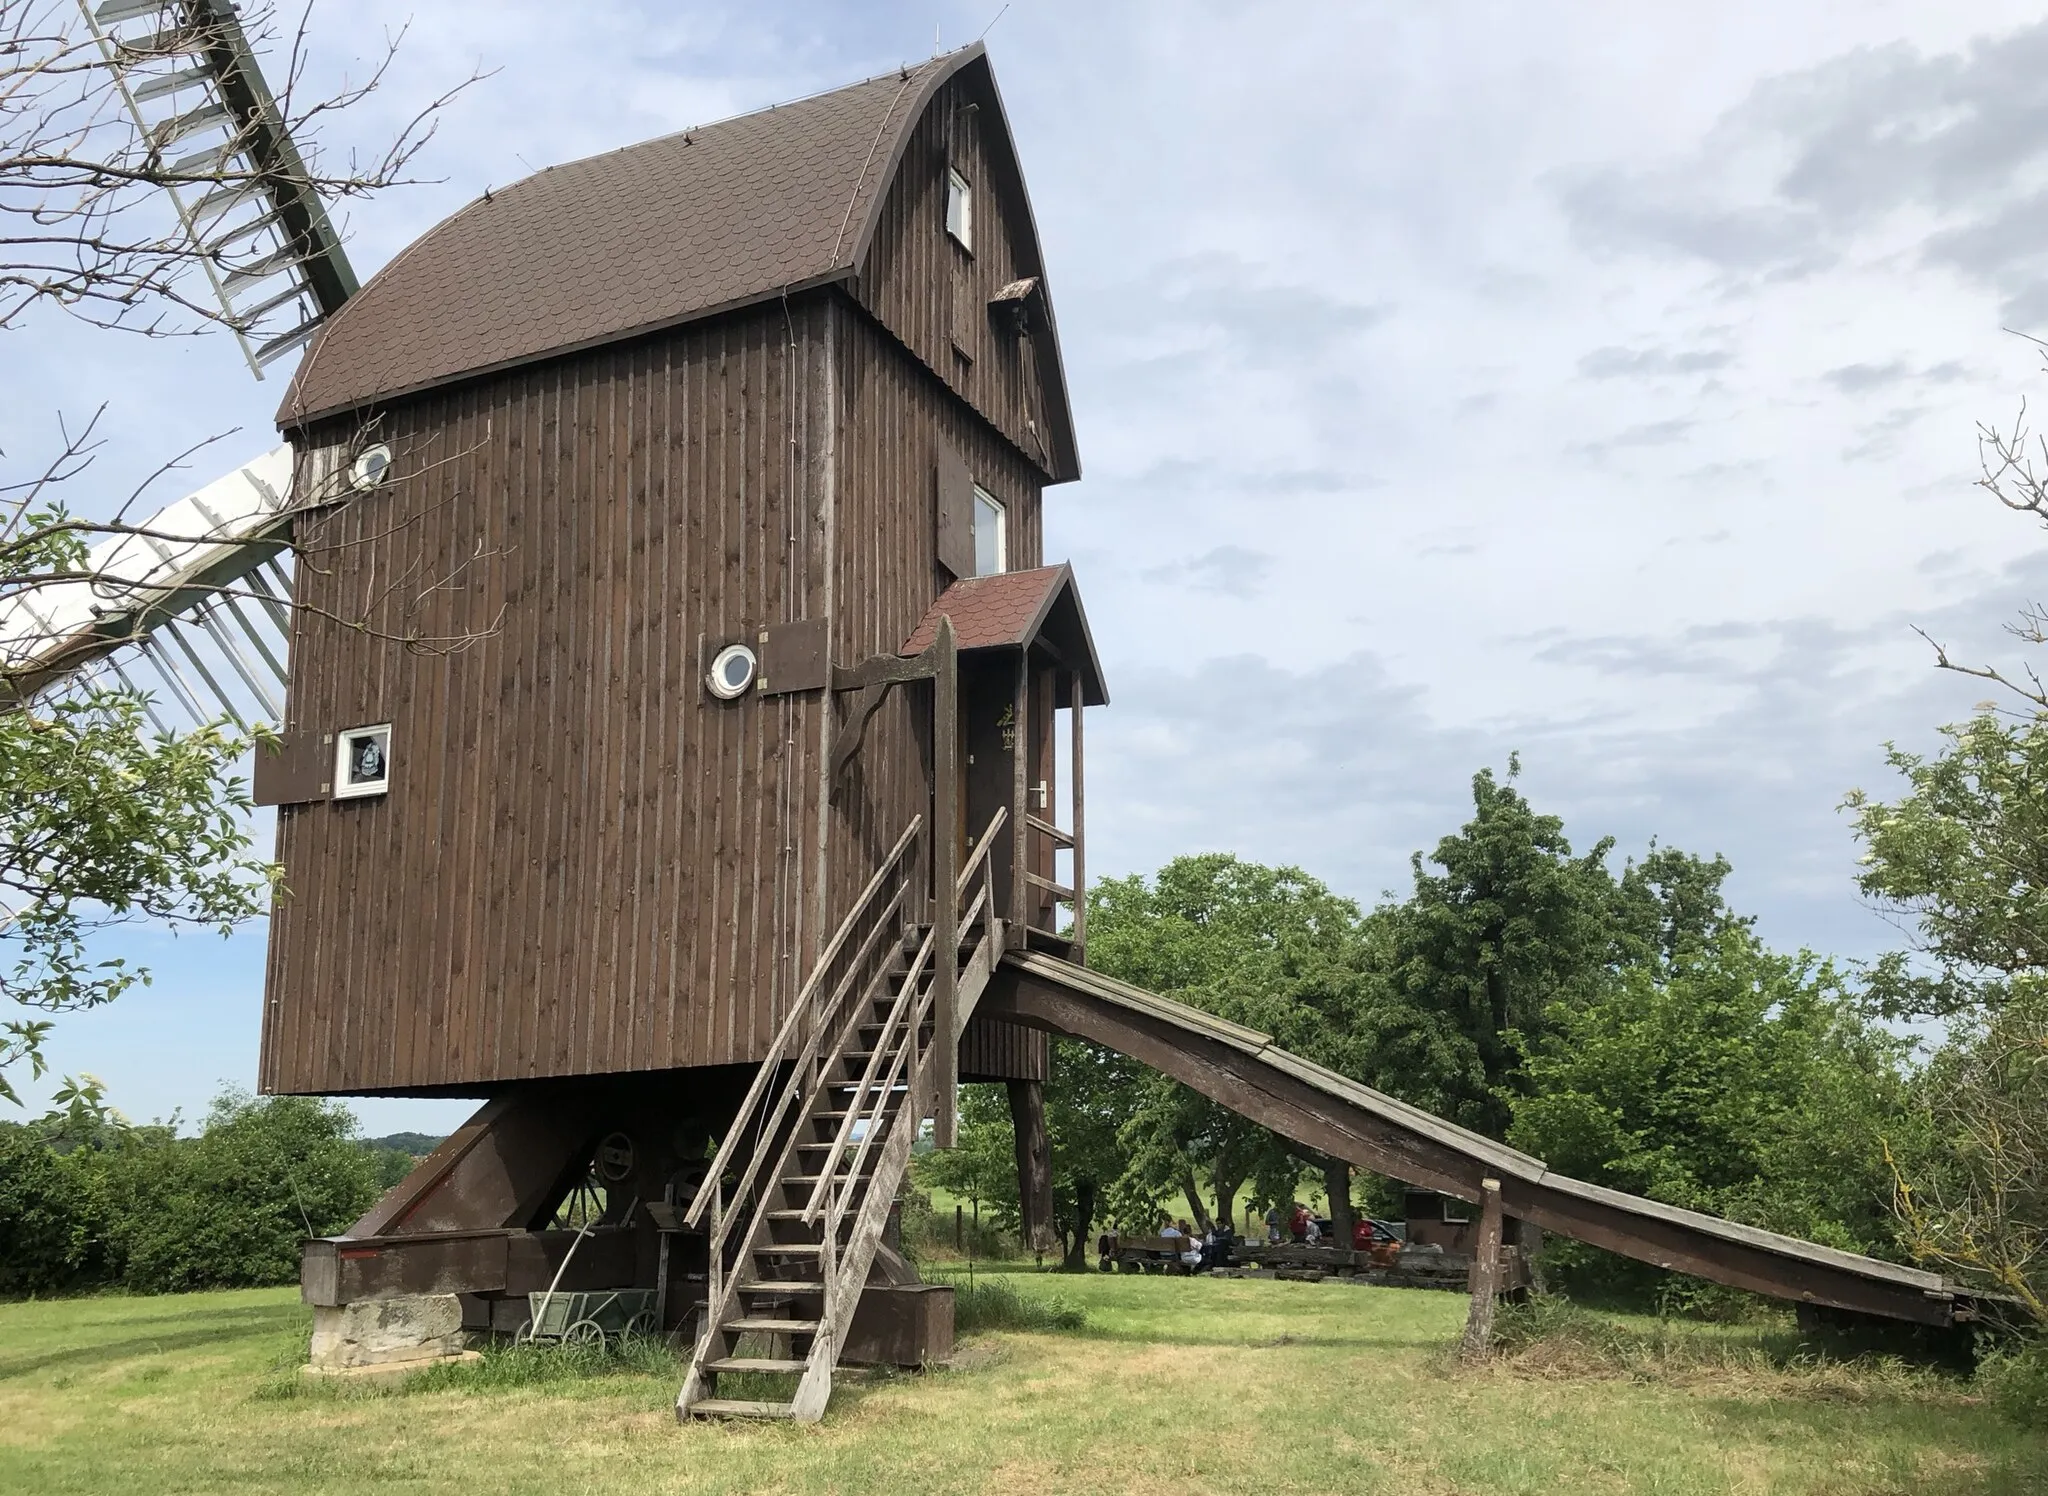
[[41, 1217], [2015, 1379], [228, 1208]]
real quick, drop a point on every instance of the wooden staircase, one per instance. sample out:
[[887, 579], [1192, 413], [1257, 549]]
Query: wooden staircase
[[797, 1197]]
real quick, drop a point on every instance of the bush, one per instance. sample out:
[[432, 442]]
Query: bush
[[41, 1217], [90, 1202], [2015, 1379], [228, 1208]]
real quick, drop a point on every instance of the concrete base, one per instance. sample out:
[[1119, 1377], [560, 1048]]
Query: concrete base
[[400, 1332]]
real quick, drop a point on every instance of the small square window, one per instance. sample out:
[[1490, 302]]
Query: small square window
[[959, 209], [362, 761], [990, 527]]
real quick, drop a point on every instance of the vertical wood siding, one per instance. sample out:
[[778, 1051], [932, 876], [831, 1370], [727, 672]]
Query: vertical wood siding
[[585, 864], [931, 293]]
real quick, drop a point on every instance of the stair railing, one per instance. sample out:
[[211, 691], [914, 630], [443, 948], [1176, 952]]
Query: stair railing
[[821, 1008], [908, 1053], [809, 1018]]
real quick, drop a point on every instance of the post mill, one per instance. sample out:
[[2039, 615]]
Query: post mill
[[670, 743]]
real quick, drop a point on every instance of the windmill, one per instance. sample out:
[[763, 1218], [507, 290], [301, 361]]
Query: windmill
[[190, 607]]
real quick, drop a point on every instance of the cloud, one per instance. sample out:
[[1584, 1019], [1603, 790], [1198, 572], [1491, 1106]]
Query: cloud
[[1650, 363], [1345, 770], [1811, 161], [1858, 379], [1228, 570], [1647, 434]]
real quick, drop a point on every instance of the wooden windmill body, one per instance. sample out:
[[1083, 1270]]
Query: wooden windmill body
[[669, 753]]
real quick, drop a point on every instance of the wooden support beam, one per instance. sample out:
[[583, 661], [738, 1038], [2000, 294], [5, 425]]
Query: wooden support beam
[[946, 811], [1034, 1162], [1048, 829], [1075, 697], [873, 677], [1020, 790], [1275, 1094], [1057, 890], [1478, 1342]]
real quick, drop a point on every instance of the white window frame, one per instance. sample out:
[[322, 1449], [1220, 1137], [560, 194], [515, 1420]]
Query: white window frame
[[960, 195], [343, 790], [1002, 515]]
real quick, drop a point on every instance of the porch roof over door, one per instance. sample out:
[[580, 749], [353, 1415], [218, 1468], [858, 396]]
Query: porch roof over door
[[1017, 610]]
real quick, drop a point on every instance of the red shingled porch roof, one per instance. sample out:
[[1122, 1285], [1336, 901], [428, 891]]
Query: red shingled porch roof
[[1014, 609]]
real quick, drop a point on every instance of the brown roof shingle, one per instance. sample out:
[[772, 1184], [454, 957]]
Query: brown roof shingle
[[627, 242], [1012, 608]]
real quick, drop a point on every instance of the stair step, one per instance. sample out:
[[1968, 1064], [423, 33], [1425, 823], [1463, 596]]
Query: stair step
[[730, 1407], [755, 1363], [786, 1287], [768, 1324], [788, 1249]]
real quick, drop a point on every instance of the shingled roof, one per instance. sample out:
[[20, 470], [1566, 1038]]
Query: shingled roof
[[626, 243], [1012, 609]]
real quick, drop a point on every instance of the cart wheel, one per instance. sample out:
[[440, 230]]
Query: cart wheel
[[641, 1323], [584, 1332], [524, 1334]]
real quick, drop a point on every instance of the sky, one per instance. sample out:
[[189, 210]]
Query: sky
[[1595, 383]]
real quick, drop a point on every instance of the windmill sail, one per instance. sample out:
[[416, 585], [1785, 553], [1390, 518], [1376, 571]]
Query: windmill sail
[[192, 85], [191, 608]]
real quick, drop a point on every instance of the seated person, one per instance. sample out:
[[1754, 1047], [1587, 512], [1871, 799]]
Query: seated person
[[1361, 1235], [1297, 1224], [1191, 1251]]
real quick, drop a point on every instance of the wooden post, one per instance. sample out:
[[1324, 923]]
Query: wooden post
[[1080, 832], [1337, 1183], [959, 1227], [1021, 895], [1034, 1162], [1485, 1276], [945, 871]]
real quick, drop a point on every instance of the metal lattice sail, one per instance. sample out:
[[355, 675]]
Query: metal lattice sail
[[191, 608], [189, 79]]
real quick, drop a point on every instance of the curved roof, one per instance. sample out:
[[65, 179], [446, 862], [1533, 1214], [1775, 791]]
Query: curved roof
[[625, 243]]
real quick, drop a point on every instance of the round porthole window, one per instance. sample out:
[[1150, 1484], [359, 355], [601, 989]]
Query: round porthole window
[[370, 466], [732, 671]]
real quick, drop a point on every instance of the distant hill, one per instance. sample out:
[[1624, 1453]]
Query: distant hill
[[418, 1144]]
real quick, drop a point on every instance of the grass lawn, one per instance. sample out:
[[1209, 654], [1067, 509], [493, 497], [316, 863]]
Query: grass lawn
[[1175, 1385]]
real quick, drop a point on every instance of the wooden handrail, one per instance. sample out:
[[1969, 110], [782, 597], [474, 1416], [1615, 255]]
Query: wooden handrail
[[1060, 838], [980, 852], [1057, 890], [783, 1037], [840, 1138]]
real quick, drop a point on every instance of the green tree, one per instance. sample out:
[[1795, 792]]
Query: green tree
[[228, 1208], [1270, 948], [1730, 1079], [100, 823], [1962, 856], [1483, 952]]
